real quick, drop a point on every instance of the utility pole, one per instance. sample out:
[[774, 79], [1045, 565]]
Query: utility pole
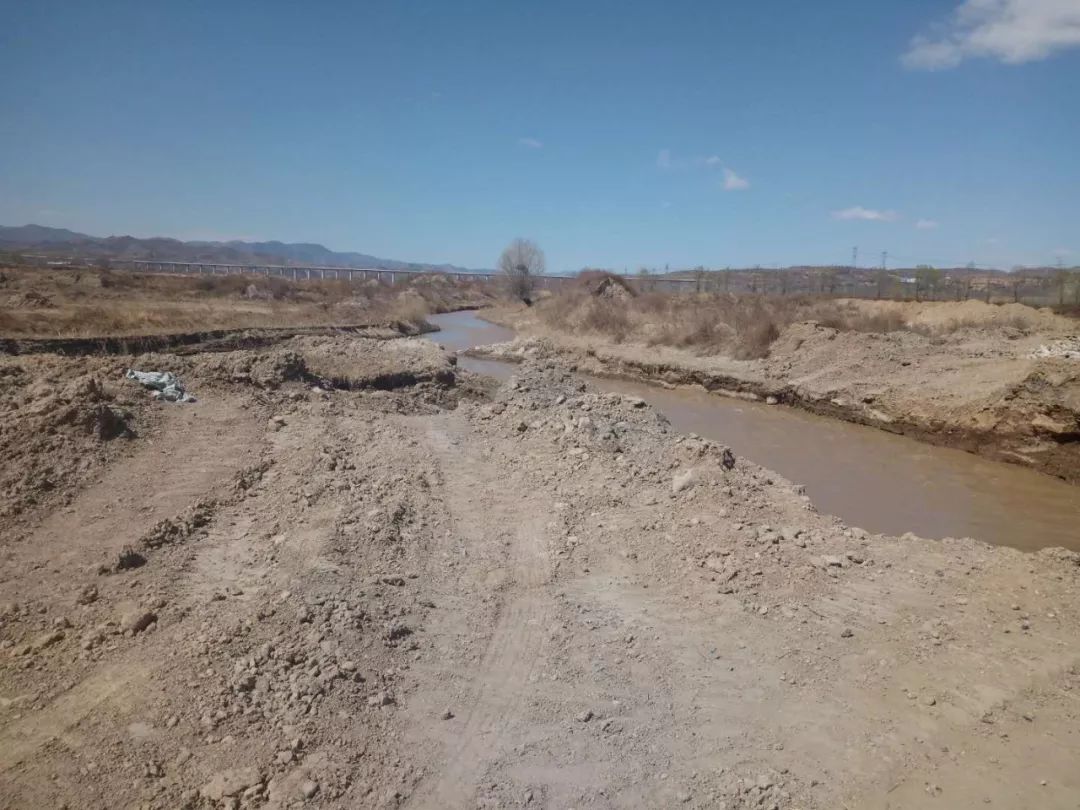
[[855, 257], [884, 258]]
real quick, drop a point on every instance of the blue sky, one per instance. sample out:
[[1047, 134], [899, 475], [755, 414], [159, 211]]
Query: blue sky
[[615, 134]]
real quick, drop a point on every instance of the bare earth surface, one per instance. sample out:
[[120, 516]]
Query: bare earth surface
[[409, 591]]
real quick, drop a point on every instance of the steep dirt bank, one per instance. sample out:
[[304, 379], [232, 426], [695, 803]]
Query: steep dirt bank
[[986, 390], [285, 595]]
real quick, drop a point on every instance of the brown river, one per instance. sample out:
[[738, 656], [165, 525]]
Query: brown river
[[869, 478]]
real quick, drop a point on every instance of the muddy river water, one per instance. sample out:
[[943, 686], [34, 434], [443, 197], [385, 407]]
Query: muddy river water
[[872, 479]]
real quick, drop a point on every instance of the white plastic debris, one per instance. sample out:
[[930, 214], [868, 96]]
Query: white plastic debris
[[165, 385], [1067, 348]]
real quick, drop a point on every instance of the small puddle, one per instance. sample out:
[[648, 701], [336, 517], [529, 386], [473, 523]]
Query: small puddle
[[869, 478]]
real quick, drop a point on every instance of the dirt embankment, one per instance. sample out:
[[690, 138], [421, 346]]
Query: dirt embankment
[[987, 386], [435, 595]]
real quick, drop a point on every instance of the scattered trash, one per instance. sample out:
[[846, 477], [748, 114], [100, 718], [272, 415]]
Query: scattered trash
[[165, 384], [1067, 348]]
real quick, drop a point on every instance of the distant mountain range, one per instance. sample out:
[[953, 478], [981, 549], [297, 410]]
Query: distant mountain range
[[62, 243]]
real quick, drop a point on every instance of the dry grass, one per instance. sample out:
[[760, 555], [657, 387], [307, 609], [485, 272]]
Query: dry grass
[[36, 302], [740, 326], [745, 326]]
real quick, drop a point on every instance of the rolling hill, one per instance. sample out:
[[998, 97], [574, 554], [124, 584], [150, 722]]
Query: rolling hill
[[63, 243]]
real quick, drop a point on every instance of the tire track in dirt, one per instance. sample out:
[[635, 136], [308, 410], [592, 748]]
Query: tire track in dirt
[[196, 452], [61, 720], [199, 446], [492, 516]]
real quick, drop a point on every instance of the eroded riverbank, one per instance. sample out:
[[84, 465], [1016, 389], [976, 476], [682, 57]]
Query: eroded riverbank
[[873, 479], [996, 382]]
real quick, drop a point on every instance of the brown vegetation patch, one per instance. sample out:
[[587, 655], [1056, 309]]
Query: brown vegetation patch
[[37, 302], [745, 326]]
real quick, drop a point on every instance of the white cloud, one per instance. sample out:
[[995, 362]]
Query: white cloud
[[732, 181], [1012, 31], [869, 214], [666, 161], [530, 143], [926, 224]]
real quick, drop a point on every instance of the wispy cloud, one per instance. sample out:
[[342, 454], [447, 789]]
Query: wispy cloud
[[926, 224], [666, 161], [530, 143], [868, 214], [732, 181], [1011, 31]]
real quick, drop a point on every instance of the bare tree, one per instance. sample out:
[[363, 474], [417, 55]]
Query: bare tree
[[927, 280], [1016, 282], [1061, 280], [521, 263]]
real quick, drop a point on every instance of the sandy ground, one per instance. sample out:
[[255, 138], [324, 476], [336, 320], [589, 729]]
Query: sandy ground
[[989, 388], [415, 590]]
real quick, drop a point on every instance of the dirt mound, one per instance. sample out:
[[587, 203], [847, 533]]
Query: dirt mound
[[545, 399], [268, 369], [982, 394], [355, 364], [606, 285], [948, 316], [58, 422]]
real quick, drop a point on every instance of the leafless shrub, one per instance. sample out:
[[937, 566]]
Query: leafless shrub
[[613, 321], [410, 309], [520, 263], [743, 326], [756, 340]]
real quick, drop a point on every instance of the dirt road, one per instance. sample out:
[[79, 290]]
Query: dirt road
[[429, 597]]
